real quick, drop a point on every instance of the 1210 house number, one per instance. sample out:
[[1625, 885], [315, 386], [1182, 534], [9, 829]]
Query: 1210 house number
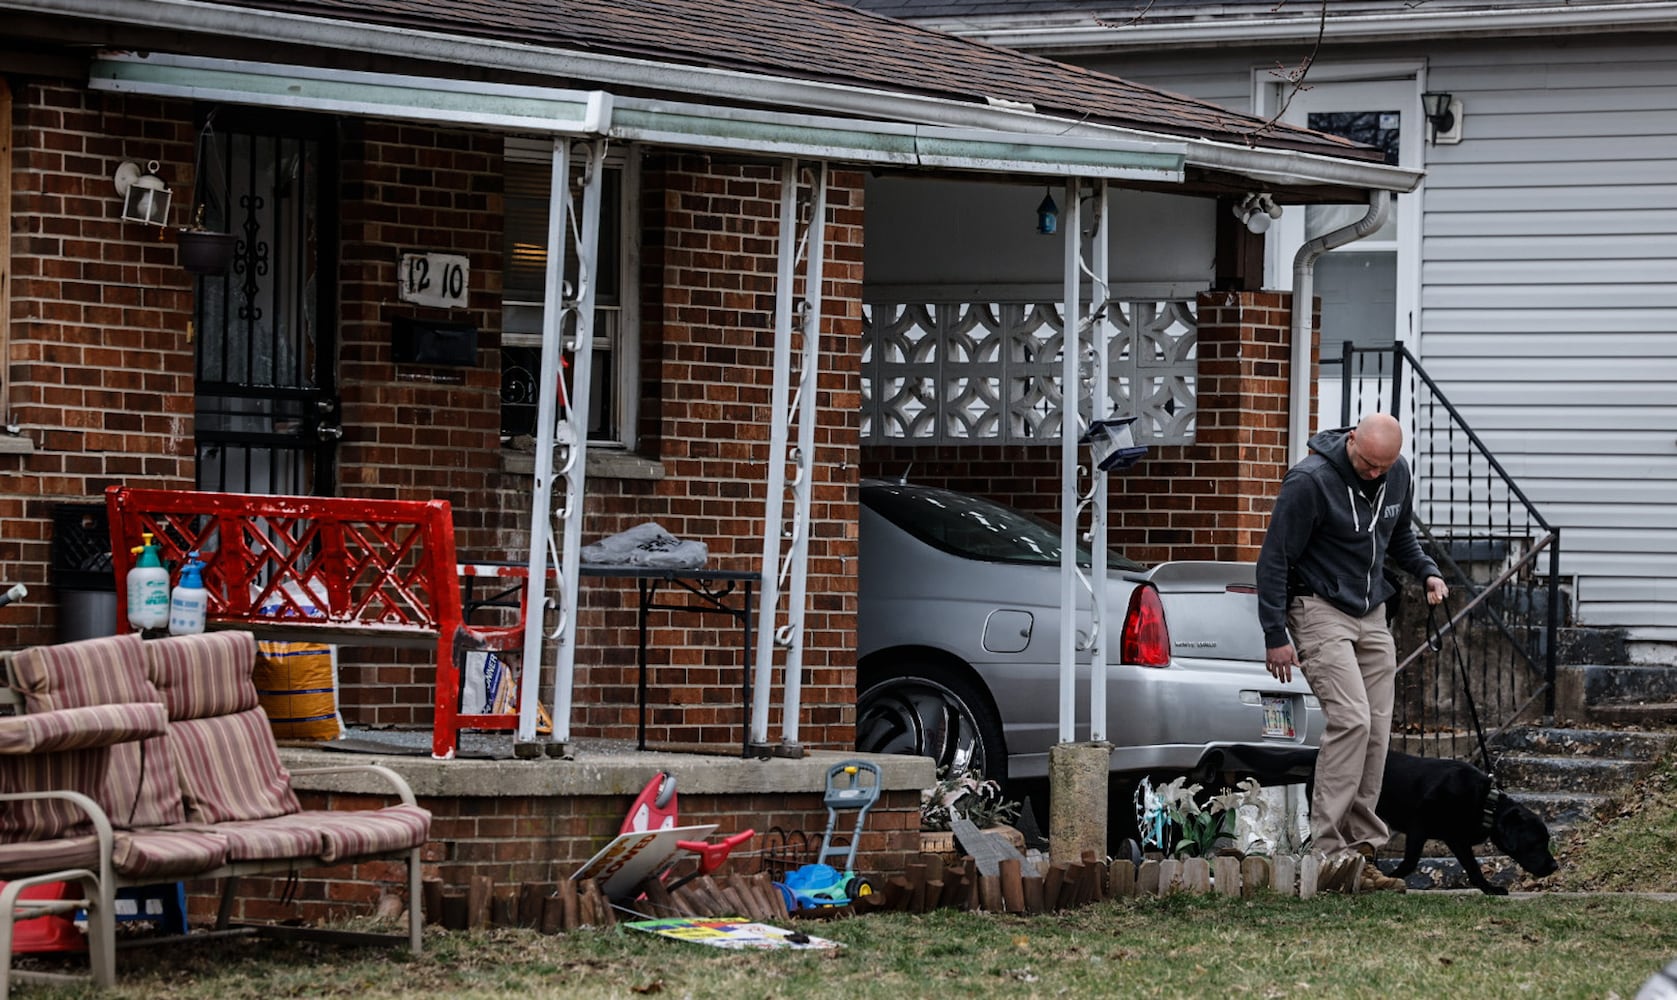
[[433, 279]]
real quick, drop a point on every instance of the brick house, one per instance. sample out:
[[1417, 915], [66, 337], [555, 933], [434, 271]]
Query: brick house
[[347, 144]]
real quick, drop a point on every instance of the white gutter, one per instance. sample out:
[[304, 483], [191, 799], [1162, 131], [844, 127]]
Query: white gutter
[[544, 110], [1084, 34], [1274, 166], [1303, 389]]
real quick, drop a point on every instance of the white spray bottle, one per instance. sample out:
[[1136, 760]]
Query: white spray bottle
[[189, 602], [148, 588]]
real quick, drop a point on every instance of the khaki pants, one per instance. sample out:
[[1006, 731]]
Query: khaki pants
[[1351, 664]]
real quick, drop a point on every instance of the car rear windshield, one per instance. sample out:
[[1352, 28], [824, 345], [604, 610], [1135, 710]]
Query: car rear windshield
[[974, 527]]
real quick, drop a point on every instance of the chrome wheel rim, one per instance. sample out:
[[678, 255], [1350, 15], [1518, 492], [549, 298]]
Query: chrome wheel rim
[[922, 718]]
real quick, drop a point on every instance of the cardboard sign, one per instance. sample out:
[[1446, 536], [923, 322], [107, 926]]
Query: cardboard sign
[[631, 858], [988, 850], [731, 933]]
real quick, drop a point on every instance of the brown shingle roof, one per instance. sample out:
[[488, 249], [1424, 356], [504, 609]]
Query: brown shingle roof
[[822, 41]]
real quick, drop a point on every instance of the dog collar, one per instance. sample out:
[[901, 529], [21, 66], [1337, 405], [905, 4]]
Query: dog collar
[[1492, 797]]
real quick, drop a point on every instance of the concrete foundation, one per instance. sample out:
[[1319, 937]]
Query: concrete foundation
[[1077, 784], [506, 822]]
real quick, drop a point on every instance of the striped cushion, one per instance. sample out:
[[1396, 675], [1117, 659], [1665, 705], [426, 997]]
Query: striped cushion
[[230, 769], [45, 819], [355, 834], [203, 675], [163, 854], [79, 728], [140, 789], [100, 671], [266, 839], [18, 860]]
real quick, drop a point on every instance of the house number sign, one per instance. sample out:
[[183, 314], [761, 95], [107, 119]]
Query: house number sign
[[433, 279]]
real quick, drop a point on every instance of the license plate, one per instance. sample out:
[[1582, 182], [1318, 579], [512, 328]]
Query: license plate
[[1278, 717]]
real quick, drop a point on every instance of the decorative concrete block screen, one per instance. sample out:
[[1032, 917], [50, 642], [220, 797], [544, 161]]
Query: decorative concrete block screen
[[949, 372]]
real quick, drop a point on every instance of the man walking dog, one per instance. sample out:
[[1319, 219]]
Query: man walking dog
[[1321, 597]]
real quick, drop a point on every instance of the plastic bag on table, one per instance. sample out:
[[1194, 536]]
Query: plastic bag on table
[[646, 545]]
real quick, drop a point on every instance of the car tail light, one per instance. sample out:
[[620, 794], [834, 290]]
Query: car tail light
[[1146, 640]]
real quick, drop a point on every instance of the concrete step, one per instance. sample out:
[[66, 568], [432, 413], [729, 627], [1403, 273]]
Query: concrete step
[[1605, 694], [1554, 741], [1533, 773], [1605, 683], [1563, 811], [1647, 715]]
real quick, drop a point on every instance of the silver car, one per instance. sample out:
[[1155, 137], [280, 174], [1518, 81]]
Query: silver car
[[958, 659]]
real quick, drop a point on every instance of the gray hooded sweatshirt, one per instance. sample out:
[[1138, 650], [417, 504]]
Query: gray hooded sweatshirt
[[1330, 533]]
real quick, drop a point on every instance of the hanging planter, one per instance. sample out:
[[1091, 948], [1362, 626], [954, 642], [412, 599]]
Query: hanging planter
[[202, 250], [206, 252]]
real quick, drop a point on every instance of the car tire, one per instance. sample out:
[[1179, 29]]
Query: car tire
[[943, 717]]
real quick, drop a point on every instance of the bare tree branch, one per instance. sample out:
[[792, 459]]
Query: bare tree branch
[[1294, 77]]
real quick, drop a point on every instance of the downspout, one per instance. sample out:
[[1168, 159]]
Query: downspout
[[1304, 278]]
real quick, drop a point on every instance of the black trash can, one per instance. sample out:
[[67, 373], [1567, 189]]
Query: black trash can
[[81, 572]]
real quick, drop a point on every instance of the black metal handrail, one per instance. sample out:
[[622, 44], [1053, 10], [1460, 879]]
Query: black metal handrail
[[1486, 535]]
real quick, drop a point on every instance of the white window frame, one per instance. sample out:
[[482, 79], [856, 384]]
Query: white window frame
[[617, 326], [1406, 79]]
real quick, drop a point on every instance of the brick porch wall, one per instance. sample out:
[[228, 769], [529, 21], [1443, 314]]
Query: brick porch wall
[[708, 280], [100, 368], [512, 840], [1208, 500], [102, 381]]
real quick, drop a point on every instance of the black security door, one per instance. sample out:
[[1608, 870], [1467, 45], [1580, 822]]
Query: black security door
[[267, 404]]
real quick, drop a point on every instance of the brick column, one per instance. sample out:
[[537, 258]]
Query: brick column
[[1244, 382]]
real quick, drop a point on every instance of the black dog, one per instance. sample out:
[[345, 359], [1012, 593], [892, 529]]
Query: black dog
[[1454, 802]]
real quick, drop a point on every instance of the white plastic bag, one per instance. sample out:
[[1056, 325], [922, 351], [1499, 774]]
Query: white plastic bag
[[485, 685], [646, 545]]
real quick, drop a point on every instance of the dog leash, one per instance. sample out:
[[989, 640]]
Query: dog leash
[[1435, 642]]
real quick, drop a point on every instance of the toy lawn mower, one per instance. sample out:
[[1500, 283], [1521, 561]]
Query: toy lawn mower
[[819, 885]]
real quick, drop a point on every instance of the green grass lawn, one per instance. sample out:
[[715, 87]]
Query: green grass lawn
[[1431, 945], [1580, 935]]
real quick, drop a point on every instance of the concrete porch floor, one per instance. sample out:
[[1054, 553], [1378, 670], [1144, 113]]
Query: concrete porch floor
[[486, 766]]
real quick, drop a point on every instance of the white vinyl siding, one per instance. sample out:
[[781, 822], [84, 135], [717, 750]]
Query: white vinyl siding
[[1549, 244], [1548, 280]]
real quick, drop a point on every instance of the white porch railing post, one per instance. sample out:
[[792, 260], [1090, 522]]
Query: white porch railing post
[[1100, 312], [803, 458], [541, 495], [774, 502], [571, 433], [1071, 230]]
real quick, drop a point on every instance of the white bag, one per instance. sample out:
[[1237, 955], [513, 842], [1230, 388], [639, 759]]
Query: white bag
[[646, 545]]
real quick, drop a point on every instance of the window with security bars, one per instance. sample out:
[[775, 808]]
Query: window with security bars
[[528, 197]]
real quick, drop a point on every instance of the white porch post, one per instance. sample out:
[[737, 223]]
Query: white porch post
[[1070, 362], [570, 433], [1078, 772], [1100, 313], [793, 571]]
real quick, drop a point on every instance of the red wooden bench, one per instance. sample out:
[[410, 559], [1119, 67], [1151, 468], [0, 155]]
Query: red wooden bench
[[341, 570]]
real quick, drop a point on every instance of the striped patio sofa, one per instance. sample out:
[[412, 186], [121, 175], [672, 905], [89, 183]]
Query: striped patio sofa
[[175, 775]]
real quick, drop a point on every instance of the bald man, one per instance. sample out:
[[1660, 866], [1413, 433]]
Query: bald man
[[1321, 594]]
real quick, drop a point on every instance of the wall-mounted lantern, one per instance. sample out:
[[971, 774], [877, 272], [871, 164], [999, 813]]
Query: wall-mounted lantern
[[1444, 117], [145, 198]]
